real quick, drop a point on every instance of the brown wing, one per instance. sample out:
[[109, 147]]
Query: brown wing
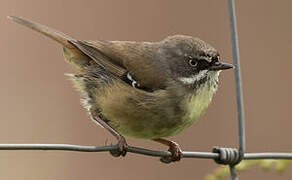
[[117, 57], [101, 58], [120, 57]]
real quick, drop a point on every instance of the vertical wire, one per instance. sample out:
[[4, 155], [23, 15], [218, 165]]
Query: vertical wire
[[233, 173], [238, 83], [238, 80]]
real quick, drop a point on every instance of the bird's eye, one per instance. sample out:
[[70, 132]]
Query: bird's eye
[[192, 61]]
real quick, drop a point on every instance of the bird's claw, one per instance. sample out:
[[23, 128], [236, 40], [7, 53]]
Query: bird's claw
[[176, 154], [122, 150]]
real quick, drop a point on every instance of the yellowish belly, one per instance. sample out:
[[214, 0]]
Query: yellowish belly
[[160, 119]]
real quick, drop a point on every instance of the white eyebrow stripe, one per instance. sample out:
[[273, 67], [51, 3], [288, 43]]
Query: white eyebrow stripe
[[206, 58], [209, 59], [194, 78]]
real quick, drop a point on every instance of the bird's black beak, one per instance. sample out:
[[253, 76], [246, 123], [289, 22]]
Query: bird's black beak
[[220, 66]]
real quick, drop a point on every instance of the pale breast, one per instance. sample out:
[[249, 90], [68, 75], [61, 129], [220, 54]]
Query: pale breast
[[197, 103], [138, 114]]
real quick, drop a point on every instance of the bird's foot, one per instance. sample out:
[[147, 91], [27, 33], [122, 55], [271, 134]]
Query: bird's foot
[[176, 153], [122, 150]]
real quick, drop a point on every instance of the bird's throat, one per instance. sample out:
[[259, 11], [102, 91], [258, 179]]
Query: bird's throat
[[200, 97]]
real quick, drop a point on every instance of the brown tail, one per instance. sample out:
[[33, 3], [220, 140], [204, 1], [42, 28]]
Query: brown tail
[[72, 54], [51, 33]]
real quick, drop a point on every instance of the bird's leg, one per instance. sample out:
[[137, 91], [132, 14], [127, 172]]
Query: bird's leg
[[173, 148], [122, 144]]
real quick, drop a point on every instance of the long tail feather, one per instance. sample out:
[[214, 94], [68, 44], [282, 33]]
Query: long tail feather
[[49, 32]]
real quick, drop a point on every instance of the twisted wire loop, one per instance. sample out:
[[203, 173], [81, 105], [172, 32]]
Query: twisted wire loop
[[227, 156]]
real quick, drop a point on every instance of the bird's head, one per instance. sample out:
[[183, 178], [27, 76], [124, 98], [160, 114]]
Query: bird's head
[[190, 60]]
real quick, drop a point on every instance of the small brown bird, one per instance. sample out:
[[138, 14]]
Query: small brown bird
[[148, 90]]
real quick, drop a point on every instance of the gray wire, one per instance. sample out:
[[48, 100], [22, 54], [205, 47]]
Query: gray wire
[[238, 82], [137, 150], [233, 173], [237, 74], [251, 156]]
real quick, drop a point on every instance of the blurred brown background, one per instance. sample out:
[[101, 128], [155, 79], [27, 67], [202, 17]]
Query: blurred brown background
[[38, 104]]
